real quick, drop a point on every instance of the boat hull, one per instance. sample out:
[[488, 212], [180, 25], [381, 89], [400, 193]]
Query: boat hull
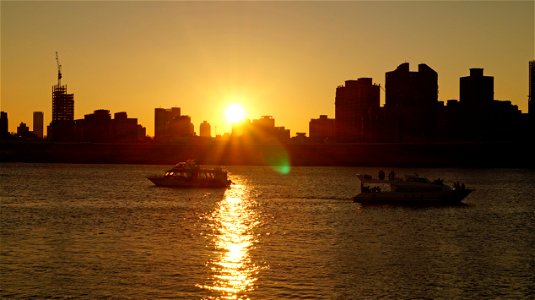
[[413, 198], [168, 181]]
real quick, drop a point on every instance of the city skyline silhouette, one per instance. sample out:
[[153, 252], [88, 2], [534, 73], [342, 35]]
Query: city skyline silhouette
[[411, 112], [277, 59]]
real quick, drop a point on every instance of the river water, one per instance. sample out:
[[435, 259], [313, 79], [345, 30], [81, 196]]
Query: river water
[[93, 231]]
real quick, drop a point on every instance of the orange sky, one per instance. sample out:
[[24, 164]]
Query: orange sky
[[283, 59]]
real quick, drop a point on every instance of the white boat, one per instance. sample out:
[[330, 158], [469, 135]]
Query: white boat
[[190, 175], [410, 190]]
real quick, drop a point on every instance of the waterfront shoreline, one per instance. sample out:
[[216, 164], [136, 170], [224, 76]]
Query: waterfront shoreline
[[491, 154]]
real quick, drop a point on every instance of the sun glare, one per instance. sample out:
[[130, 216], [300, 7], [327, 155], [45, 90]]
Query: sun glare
[[234, 113]]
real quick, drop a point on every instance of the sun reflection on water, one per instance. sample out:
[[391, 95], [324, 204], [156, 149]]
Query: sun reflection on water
[[233, 221]]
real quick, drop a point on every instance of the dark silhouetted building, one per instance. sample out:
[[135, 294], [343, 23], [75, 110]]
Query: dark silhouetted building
[[265, 126], [126, 129], [476, 99], [23, 131], [170, 125], [62, 125], [261, 130], [282, 134], [322, 129], [205, 129], [299, 138], [162, 119], [411, 102], [62, 104], [265, 123], [4, 129], [181, 127], [38, 119], [412, 112], [356, 110], [99, 127], [476, 90], [449, 125], [531, 98], [478, 116]]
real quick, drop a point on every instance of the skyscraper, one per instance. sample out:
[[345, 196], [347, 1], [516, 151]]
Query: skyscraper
[[356, 110], [531, 100], [23, 130], [3, 125], [322, 129], [62, 104], [411, 102], [404, 88], [97, 126], [62, 125], [170, 125], [476, 90], [181, 127], [38, 124], [162, 121], [205, 129], [125, 129], [479, 110]]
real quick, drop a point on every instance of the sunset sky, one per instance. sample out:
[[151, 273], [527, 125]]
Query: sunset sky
[[283, 59]]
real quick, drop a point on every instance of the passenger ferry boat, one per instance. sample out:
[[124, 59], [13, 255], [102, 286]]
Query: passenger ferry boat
[[190, 175], [411, 190]]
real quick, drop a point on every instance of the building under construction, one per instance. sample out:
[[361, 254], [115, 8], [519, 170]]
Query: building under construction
[[62, 125], [62, 104]]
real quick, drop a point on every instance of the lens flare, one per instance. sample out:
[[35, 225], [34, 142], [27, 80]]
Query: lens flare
[[277, 157]]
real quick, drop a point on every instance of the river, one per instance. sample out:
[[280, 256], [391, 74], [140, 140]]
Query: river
[[93, 231]]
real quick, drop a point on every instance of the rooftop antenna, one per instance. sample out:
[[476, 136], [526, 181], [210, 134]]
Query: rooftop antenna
[[59, 68]]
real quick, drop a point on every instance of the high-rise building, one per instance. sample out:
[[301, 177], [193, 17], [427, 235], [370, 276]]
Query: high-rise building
[[23, 130], [531, 80], [261, 130], [38, 124], [4, 131], [404, 88], [62, 125], [181, 127], [531, 98], [62, 104], [356, 110], [265, 122], [97, 126], [322, 129], [162, 121], [170, 125], [476, 90], [411, 101], [205, 129], [125, 129], [479, 110]]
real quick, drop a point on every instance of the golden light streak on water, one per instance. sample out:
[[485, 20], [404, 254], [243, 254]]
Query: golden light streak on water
[[233, 272]]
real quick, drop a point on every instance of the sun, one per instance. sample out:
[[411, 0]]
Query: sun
[[234, 113]]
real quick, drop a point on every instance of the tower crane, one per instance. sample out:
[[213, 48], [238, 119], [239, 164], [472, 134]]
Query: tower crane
[[59, 68]]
